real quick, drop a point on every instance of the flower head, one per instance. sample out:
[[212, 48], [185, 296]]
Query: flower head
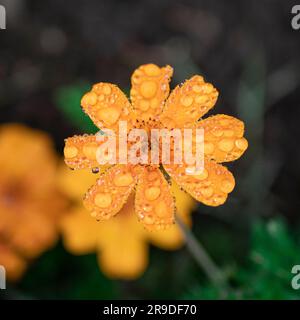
[[152, 107], [121, 243], [29, 200]]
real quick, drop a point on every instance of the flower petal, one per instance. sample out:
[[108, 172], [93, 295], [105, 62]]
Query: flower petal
[[35, 232], [81, 152], [172, 238], [13, 263], [223, 138], [150, 88], [106, 105], [36, 150], [125, 257], [74, 183], [154, 203], [122, 245], [188, 102], [80, 231], [111, 191], [210, 187]]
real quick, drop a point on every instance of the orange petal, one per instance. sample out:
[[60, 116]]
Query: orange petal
[[122, 245], [80, 152], [210, 187], [154, 203], [35, 233], [36, 150], [80, 231], [223, 138], [150, 88], [188, 102], [13, 263], [172, 238], [75, 183], [106, 105], [124, 257], [107, 197]]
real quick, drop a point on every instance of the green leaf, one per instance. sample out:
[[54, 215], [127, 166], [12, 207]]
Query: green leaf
[[68, 99], [267, 273]]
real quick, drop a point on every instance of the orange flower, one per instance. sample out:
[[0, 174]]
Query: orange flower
[[29, 202], [121, 243], [151, 108]]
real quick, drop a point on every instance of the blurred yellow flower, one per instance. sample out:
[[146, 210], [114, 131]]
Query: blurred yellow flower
[[152, 107], [30, 203], [121, 243]]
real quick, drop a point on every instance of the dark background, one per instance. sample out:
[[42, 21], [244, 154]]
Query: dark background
[[247, 49]]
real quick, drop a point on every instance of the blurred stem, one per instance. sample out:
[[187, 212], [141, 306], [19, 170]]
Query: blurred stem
[[202, 258]]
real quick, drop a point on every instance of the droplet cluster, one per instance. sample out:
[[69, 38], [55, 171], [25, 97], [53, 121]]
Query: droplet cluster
[[154, 203], [106, 105], [150, 88], [80, 151], [111, 191], [188, 102], [210, 186], [223, 138]]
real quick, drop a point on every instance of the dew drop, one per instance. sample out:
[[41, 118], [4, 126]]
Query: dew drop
[[141, 216], [147, 208], [95, 170], [149, 219]]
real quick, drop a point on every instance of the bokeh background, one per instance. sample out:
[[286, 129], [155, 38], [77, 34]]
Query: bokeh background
[[52, 51]]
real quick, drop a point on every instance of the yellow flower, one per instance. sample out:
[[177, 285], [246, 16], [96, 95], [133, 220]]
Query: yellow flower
[[121, 243], [29, 200], [151, 108]]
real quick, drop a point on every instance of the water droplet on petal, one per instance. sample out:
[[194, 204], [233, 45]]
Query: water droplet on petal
[[95, 170], [147, 208]]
